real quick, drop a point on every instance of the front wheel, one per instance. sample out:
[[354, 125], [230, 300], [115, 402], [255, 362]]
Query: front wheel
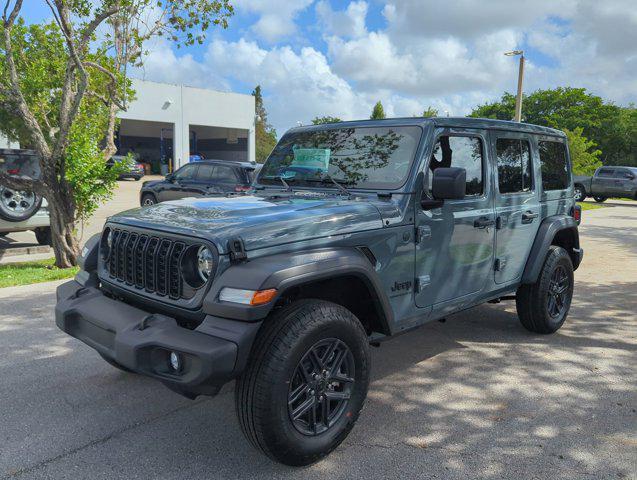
[[600, 199], [543, 306], [305, 383]]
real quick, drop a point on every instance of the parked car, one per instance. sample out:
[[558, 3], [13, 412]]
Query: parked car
[[205, 177], [22, 211], [354, 232], [607, 182], [132, 168]]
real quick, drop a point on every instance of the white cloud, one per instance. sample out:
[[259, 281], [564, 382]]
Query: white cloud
[[348, 23], [276, 17]]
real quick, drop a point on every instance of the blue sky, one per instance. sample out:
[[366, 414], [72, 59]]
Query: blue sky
[[328, 57]]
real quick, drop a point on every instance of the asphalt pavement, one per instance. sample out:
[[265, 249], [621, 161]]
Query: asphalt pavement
[[474, 397]]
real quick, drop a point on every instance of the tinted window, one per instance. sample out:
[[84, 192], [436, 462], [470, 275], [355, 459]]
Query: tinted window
[[553, 164], [363, 157], [462, 152], [186, 172], [624, 174], [605, 172], [205, 172], [224, 174], [514, 165]]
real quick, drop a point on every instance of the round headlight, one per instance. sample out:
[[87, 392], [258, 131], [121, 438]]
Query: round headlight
[[205, 262]]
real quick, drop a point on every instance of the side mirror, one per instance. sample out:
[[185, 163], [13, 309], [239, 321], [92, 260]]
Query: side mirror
[[447, 184], [630, 176], [170, 178]]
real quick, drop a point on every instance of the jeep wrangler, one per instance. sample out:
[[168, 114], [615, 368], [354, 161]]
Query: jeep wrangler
[[352, 233]]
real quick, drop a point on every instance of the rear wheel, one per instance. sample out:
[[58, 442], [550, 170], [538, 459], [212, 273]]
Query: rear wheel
[[43, 235], [148, 199], [305, 383], [543, 306], [579, 193], [600, 199]]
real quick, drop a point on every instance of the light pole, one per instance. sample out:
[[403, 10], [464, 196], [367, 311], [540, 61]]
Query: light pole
[[518, 99]]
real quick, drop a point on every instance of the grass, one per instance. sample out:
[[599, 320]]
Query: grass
[[591, 206], [26, 273]]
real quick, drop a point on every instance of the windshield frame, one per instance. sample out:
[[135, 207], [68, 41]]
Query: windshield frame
[[274, 183]]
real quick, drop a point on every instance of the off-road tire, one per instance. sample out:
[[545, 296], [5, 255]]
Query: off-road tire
[[148, 197], [579, 193], [263, 390], [43, 236], [532, 301], [599, 199], [113, 363]]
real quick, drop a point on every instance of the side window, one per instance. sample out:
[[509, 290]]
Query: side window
[[224, 174], [553, 165], [606, 172], [462, 152], [514, 165], [205, 172], [187, 172]]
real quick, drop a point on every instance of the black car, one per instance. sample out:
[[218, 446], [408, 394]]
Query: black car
[[207, 177], [132, 169]]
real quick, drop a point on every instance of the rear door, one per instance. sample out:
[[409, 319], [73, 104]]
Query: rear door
[[603, 182], [517, 204], [454, 252], [224, 179]]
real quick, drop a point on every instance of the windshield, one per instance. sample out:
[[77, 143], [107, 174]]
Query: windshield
[[360, 157]]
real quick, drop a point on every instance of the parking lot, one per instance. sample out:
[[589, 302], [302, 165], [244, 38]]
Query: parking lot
[[476, 396]]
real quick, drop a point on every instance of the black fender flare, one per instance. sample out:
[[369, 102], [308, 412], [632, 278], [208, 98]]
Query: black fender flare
[[549, 228], [286, 270]]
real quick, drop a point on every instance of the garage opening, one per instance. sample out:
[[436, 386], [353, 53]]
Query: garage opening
[[218, 143], [151, 142]]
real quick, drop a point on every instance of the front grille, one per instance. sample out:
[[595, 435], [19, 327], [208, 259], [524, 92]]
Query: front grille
[[147, 263]]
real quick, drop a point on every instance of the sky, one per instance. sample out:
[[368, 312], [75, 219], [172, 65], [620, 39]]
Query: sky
[[338, 58]]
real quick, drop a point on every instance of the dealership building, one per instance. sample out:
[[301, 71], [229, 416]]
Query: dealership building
[[168, 125]]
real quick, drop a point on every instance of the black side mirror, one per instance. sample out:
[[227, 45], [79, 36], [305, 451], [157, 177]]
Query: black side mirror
[[447, 184], [170, 178]]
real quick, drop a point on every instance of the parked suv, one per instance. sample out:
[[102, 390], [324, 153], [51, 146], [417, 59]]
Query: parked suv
[[355, 232], [607, 182], [202, 177]]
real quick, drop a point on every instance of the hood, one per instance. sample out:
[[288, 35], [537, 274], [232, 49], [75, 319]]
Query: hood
[[261, 221]]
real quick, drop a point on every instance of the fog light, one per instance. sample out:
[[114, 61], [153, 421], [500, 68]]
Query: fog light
[[175, 361]]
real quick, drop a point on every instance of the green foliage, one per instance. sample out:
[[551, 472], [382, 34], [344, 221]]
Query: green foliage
[[265, 134], [584, 155], [430, 112], [612, 128], [324, 120], [378, 112]]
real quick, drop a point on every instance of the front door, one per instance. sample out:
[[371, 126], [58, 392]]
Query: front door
[[184, 183], [516, 203], [454, 253]]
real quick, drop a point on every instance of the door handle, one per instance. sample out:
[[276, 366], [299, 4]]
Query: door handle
[[483, 222], [527, 217]]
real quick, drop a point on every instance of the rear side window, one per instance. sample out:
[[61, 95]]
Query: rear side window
[[514, 165], [205, 172], [224, 174], [462, 152], [553, 165], [605, 172]]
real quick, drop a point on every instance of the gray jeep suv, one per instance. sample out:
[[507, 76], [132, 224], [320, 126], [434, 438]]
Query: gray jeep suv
[[353, 232]]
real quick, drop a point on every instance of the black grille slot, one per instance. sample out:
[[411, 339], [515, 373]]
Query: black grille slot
[[144, 262]]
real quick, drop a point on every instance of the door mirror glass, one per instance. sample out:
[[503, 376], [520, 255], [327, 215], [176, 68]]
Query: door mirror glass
[[449, 183]]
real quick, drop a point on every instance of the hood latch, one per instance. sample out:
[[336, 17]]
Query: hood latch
[[237, 250]]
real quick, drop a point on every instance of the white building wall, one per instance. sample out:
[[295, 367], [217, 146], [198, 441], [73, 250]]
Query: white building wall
[[184, 106]]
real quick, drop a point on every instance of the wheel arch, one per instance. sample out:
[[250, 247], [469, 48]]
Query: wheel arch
[[342, 275], [559, 230]]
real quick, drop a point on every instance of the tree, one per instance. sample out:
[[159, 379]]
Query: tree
[[584, 156], [566, 108], [62, 85], [323, 120], [378, 112], [265, 134], [430, 112]]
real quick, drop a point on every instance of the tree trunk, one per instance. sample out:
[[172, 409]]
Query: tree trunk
[[62, 212]]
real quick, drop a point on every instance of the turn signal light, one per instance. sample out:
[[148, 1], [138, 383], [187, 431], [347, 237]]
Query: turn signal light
[[577, 213], [247, 297]]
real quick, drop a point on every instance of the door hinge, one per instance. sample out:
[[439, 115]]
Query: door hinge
[[237, 250], [422, 232], [500, 263], [501, 222]]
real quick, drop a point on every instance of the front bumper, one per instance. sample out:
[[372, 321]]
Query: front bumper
[[212, 354]]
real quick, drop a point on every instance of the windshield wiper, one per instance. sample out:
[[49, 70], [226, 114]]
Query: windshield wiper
[[280, 177], [328, 178]]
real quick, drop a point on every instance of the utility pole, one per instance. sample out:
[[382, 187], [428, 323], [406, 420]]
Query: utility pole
[[518, 98]]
